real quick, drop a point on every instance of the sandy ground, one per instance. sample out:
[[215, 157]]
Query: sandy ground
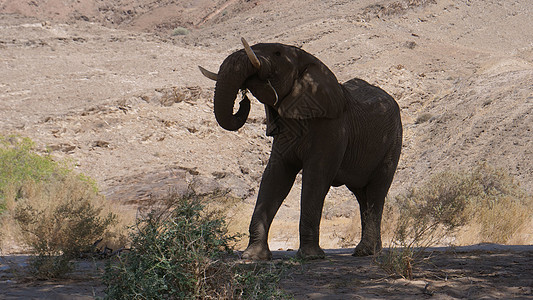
[[108, 86], [473, 272]]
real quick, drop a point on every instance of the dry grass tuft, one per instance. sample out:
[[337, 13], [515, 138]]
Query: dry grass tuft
[[499, 205], [62, 216], [485, 199]]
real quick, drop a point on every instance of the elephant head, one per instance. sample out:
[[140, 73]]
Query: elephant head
[[293, 82]]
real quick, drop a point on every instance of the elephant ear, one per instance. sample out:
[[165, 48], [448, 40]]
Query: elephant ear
[[315, 94]]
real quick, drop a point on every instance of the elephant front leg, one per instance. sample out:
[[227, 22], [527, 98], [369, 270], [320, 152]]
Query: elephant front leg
[[311, 213], [322, 161], [315, 186], [275, 185]]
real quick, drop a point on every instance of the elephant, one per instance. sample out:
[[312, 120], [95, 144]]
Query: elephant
[[335, 134]]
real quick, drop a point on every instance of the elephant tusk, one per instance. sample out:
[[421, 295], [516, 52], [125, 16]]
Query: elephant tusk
[[274, 90], [251, 55], [208, 74]]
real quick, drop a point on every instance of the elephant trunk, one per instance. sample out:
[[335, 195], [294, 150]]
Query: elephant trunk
[[231, 77]]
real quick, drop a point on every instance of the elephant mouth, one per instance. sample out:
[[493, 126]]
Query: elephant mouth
[[263, 90]]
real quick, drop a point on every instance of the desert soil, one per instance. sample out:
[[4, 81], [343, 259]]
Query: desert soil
[[110, 86], [471, 272]]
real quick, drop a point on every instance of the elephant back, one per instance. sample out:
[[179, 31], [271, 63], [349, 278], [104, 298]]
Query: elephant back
[[370, 98]]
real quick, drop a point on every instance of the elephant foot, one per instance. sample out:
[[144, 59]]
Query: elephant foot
[[365, 249], [257, 252], [310, 253]]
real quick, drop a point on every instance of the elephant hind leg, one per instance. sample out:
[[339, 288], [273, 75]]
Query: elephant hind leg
[[371, 201]]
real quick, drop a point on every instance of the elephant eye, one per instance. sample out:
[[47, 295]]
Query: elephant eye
[[277, 53]]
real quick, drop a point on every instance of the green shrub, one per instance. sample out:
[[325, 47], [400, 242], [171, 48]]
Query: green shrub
[[19, 165], [259, 281], [180, 251], [45, 267], [57, 213]]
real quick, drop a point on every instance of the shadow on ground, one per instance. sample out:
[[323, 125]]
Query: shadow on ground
[[487, 271]]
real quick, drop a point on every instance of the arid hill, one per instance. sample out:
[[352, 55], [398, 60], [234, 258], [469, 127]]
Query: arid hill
[[113, 87]]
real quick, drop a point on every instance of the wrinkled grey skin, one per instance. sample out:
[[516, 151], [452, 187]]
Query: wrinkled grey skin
[[338, 134]]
